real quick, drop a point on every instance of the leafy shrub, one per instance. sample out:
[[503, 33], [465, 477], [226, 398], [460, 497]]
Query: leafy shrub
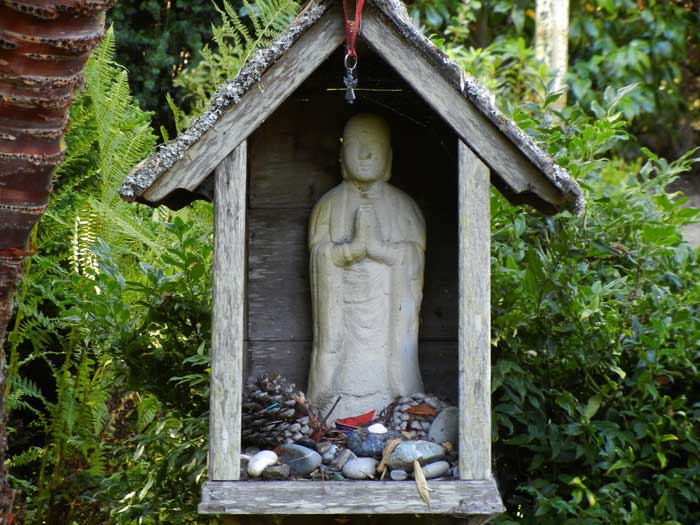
[[596, 322]]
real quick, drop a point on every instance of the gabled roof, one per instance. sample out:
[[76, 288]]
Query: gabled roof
[[519, 167]]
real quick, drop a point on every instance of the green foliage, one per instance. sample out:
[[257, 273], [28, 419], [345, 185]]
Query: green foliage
[[595, 318], [157, 40], [121, 441], [236, 39], [612, 43], [595, 327], [113, 294]]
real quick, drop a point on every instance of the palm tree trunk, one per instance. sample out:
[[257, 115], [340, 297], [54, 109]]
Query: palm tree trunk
[[43, 48]]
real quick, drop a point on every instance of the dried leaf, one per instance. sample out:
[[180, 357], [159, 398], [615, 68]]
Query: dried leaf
[[388, 449], [422, 410], [421, 483], [356, 421]]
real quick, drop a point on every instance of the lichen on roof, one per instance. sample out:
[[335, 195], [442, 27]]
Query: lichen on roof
[[230, 93], [484, 101]]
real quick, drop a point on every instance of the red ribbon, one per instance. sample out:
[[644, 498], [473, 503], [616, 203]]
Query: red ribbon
[[352, 27]]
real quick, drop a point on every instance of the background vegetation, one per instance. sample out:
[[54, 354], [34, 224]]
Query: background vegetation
[[596, 324]]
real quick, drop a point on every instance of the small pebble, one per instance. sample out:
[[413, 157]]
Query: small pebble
[[260, 461], [398, 475], [360, 468]]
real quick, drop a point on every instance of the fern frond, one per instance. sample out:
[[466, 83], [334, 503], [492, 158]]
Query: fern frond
[[237, 37]]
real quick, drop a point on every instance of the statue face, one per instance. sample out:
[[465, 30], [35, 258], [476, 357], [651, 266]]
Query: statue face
[[366, 153]]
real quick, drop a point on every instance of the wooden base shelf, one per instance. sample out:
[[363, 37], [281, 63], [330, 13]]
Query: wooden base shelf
[[459, 497]]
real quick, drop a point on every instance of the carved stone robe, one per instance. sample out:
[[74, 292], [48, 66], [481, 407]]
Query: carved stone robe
[[365, 315]]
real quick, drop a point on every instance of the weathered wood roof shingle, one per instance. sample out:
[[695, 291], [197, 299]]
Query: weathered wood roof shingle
[[567, 194]]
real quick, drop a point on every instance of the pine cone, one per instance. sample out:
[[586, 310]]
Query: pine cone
[[414, 414], [274, 413]]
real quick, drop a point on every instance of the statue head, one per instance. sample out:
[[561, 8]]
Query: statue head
[[366, 152]]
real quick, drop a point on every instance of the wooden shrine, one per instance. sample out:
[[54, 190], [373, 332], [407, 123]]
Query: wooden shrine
[[265, 152]]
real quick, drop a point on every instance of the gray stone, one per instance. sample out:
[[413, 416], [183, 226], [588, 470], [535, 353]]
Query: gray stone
[[398, 475], [276, 472], [342, 458], [301, 460], [369, 444], [445, 427], [409, 451], [329, 454], [435, 470], [360, 468]]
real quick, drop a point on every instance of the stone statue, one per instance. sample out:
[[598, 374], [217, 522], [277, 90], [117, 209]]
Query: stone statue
[[367, 244]]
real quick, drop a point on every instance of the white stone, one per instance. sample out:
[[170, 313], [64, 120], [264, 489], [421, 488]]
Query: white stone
[[360, 468], [367, 243], [260, 462], [377, 428]]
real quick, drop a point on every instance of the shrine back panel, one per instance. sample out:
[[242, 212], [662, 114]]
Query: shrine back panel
[[293, 161]]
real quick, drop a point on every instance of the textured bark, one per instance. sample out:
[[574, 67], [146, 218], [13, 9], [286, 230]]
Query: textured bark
[[43, 48], [552, 40]]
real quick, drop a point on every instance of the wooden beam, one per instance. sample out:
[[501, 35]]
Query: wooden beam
[[473, 127], [228, 316], [256, 105], [474, 317], [476, 497]]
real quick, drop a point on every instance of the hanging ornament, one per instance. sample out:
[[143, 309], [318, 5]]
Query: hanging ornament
[[352, 27]]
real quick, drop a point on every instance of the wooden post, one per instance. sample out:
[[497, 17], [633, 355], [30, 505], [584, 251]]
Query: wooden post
[[474, 317], [228, 323]]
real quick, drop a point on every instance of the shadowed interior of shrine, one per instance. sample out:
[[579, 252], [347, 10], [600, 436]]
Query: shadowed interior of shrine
[[293, 161]]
